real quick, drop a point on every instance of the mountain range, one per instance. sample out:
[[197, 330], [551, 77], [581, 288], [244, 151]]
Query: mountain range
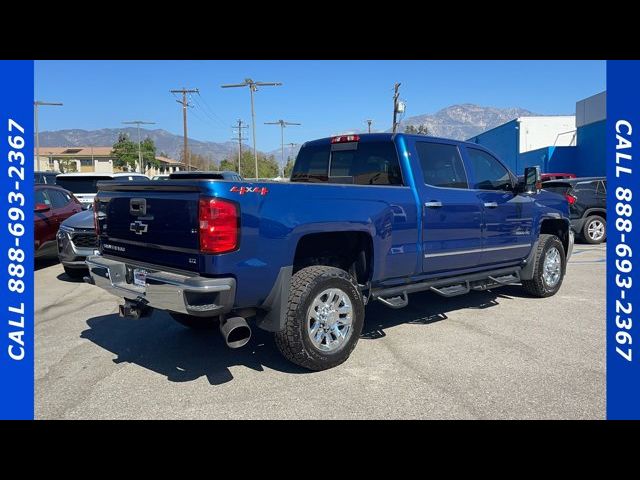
[[464, 121], [456, 121]]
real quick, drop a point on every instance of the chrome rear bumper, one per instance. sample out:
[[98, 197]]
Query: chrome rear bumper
[[193, 295]]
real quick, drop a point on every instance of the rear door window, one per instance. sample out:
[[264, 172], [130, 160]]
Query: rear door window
[[366, 163], [442, 165]]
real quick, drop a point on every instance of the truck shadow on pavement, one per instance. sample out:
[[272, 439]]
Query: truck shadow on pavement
[[161, 345], [426, 308]]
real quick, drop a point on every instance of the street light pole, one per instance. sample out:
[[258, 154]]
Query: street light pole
[[282, 124], [36, 104], [253, 87], [138, 123]]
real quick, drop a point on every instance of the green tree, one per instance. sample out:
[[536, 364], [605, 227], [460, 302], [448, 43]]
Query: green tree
[[198, 161], [228, 165], [420, 130], [148, 150], [125, 152], [67, 165]]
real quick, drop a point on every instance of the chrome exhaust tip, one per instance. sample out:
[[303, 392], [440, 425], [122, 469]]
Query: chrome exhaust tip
[[235, 331]]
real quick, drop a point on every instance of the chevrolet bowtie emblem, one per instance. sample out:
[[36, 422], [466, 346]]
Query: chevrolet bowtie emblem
[[138, 227]]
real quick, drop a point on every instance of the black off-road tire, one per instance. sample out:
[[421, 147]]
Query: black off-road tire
[[76, 273], [537, 285], [585, 229], [294, 342], [196, 323]]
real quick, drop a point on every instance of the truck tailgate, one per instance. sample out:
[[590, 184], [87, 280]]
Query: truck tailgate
[[149, 225]]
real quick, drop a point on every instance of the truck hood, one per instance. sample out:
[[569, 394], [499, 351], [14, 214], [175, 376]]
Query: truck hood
[[82, 220]]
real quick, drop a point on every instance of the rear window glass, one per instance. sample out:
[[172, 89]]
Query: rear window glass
[[367, 163], [81, 184], [90, 184]]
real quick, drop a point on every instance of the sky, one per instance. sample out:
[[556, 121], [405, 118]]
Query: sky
[[326, 97]]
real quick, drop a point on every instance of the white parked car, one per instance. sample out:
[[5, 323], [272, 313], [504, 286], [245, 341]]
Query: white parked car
[[85, 185]]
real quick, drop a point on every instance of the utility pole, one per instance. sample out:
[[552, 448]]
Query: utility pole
[[138, 123], [369, 124], [291, 145], [36, 104], [253, 87], [282, 124], [239, 138], [185, 104], [396, 94]]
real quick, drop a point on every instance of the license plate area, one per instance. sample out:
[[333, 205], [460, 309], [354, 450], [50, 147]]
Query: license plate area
[[140, 277]]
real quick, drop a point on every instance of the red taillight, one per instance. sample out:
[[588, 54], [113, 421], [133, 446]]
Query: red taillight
[[96, 207], [345, 138], [218, 225], [570, 198]]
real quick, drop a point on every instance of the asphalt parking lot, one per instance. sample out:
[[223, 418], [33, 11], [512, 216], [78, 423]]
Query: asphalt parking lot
[[497, 354]]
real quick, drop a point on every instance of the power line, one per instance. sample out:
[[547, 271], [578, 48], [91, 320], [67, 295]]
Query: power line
[[396, 94], [282, 124], [185, 104], [253, 87], [239, 139], [208, 108]]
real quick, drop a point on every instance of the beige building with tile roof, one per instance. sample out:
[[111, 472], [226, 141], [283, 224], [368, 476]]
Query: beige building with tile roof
[[94, 159]]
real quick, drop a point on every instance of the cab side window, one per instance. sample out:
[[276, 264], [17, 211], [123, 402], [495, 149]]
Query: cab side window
[[488, 172], [442, 165]]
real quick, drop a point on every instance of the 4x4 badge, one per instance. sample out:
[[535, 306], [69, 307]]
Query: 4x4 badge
[[138, 227]]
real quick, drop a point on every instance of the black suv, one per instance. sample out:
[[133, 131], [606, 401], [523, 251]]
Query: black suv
[[587, 199]]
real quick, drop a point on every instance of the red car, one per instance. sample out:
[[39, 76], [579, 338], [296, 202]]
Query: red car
[[556, 176], [53, 205]]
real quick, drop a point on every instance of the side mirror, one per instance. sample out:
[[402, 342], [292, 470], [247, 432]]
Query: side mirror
[[532, 180], [42, 207]]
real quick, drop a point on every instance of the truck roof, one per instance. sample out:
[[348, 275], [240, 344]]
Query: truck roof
[[366, 137]]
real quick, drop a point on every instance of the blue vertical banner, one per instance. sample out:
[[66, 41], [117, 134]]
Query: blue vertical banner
[[623, 247], [16, 240]]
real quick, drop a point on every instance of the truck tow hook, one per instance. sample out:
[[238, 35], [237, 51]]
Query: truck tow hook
[[133, 310]]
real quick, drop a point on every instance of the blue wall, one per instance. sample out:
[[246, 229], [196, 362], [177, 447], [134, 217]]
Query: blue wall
[[550, 160], [591, 155], [586, 159], [503, 141]]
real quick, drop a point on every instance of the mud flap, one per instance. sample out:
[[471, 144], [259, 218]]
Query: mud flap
[[274, 308]]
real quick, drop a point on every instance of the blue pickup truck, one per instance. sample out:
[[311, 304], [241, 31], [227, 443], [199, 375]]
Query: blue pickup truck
[[364, 218]]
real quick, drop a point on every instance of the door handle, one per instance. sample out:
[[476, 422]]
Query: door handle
[[433, 204], [490, 204]]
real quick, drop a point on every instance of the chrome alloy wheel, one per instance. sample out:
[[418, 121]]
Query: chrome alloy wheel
[[329, 320], [595, 230], [552, 267]]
